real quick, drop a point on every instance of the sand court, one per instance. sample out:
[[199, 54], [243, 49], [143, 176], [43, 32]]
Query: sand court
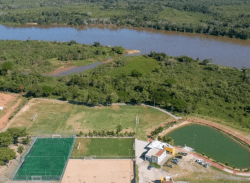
[[99, 171]]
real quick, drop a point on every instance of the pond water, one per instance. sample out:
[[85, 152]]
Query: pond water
[[222, 50], [207, 140]]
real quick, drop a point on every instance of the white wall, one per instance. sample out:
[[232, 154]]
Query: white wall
[[163, 155]]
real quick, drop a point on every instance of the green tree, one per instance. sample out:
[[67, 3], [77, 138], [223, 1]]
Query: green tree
[[5, 67], [16, 133], [5, 139], [20, 149], [118, 129], [6, 154], [96, 44], [168, 140], [118, 49], [26, 140], [112, 98], [136, 73], [47, 90]]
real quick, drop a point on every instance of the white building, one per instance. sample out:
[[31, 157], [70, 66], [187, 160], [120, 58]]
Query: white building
[[1, 108], [157, 151], [155, 155]]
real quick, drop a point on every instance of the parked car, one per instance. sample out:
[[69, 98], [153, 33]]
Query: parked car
[[183, 153], [150, 167], [169, 165], [202, 162], [198, 161], [175, 162], [207, 165], [179, 157]]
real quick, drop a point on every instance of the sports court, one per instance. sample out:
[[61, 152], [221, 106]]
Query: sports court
[[99, 171], [46, 160]]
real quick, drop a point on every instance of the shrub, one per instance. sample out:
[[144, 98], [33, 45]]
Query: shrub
[[20, 149], [26, 140], [226, 163]]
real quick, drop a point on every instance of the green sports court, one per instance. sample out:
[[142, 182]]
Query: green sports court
[[46, 160]]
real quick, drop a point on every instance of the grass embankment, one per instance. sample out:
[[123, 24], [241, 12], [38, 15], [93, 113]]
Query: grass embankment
[[144, 65], [59, 116], [106, 147]]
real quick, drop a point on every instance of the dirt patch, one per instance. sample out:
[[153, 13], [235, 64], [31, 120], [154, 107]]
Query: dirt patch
[[93, 171], [5, 99], [127, 130], [73, 121], [63, 68], [173, 127], [115, 107]]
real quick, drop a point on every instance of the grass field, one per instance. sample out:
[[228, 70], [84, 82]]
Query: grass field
[[46, 159], [57, 116], [107, 147], [143, 65]]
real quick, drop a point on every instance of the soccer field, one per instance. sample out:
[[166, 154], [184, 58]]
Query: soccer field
[[104, 148], [46, 160], [52, 117]]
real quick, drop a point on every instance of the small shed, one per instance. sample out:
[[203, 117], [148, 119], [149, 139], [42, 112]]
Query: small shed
[[1, 108]]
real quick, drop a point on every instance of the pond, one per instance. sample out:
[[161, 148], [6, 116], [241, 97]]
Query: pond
[[222, 50], [207, 140]]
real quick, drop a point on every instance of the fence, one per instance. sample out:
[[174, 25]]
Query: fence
[[23, 157], [68, 157], [51, 134]]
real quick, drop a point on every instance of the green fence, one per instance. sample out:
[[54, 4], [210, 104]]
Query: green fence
[[46, 160]]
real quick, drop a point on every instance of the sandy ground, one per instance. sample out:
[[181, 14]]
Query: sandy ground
[[5, 100], [173, 127], [98, 171]]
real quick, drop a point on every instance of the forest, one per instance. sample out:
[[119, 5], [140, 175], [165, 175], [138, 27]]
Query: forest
[[181, 84], [229, 18]]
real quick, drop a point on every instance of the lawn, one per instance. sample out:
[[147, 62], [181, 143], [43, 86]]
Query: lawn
[[104, 147], [56, 116], [143, 65]]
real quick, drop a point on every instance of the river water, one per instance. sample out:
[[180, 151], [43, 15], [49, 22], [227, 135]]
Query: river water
[[207, 140], [223, 51]]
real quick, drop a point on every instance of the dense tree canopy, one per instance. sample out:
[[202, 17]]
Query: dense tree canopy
[[178, 84]]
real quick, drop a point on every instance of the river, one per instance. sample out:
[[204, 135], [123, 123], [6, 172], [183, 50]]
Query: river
[[222, 50]]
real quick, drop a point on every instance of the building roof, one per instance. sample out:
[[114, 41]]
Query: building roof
[[155, 152], [160, 152], [159, 145], [152, 152]]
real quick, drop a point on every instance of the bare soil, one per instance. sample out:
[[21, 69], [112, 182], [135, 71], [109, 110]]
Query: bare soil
[[98, 171], [8, 101]]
